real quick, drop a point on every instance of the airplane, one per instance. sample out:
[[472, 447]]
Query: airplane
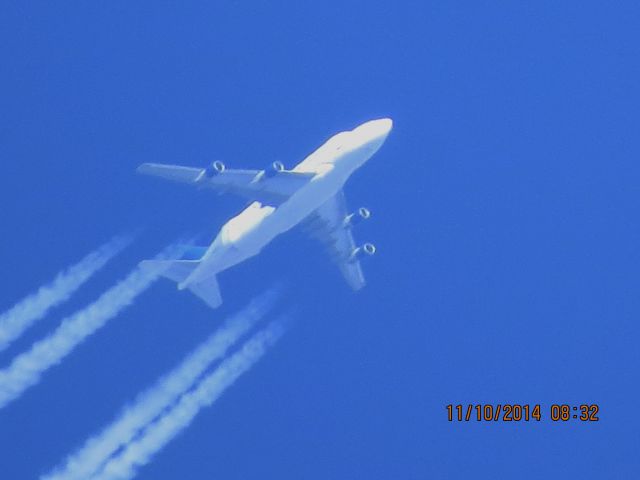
[[310, 194]]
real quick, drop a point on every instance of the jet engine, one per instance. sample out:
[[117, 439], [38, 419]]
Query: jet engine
[[216, 168], [356, 217], [367, 249], [274, 169]]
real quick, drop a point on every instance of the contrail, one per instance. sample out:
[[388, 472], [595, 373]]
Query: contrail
[[97, 450], [34, 307], [27, 368], [158, 434]]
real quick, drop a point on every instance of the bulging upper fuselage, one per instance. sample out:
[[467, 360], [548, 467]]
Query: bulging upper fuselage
[[246, 234]]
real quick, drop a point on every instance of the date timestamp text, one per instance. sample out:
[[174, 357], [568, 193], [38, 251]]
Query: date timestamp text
[[515, 412]]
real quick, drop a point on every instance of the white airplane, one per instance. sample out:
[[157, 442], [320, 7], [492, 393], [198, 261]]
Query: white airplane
[[309, 194]]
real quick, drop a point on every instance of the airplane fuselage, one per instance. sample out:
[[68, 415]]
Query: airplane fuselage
[[246, 234]]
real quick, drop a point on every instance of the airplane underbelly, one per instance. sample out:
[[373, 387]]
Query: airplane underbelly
[[246, 236], [303, 203], [288, 215]]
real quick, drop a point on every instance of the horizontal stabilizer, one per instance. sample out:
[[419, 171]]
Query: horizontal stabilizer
[[176, 270], [207, 290]]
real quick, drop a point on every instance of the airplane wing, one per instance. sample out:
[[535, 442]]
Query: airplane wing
[[331, 225], [270, 187]]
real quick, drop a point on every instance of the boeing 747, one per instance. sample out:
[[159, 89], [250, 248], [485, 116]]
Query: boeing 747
[[310, 194]]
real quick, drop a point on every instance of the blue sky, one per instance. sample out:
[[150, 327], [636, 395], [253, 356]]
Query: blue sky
[[505, 211]]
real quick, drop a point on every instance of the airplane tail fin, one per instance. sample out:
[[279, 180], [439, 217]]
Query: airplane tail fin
[[207, 290]]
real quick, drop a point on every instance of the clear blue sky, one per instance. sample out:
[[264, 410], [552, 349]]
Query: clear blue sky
[[505, 208]]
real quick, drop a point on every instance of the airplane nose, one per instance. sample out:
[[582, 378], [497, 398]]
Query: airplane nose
[[383, 125], [371, 134], [378, 129]]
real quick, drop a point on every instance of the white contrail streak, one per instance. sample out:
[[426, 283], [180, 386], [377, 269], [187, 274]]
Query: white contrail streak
[[152, 403], [27, 368], [158, 434], [34, 307]]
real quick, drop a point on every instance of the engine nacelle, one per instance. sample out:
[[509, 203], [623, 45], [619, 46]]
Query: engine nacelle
[[356, 217], [274, 169], [367, 249], [216, 168]]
